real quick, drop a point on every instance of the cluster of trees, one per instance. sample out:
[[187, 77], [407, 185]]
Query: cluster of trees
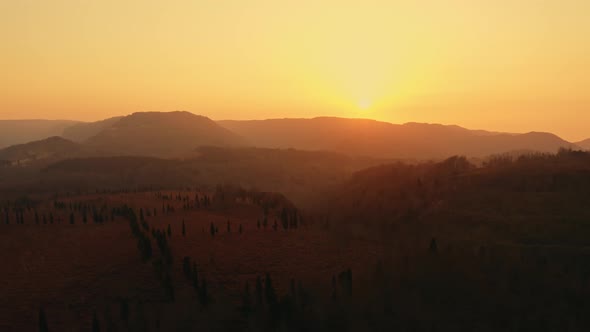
[[342, 285], [140, 230], [144, 244], [19, 215], [200, 200], [191, 274]]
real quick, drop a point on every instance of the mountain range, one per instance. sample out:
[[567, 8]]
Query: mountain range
[[179, 134]]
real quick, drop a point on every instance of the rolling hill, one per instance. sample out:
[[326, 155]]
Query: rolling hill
[[538, 199], [44, 151], [159, 134], [22, 131], [386, 140], [585, 144], [82, 131]]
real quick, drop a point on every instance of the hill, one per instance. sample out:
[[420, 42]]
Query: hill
[[585, 144], [386, 140], [22, 131], [43, 151], [161, 134], [533, 200], [82, 131], [293, 173]]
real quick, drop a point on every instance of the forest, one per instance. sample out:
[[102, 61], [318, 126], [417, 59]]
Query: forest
[[430, 246]]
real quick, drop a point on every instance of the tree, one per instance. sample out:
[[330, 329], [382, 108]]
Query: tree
[[95, 323], [269, 291], [124, 310], [169, 287], [183, 228], [203, 293], [72, 218], [212, 229], [141, 217], [258, 291], [285, 218], [195, 276], [42, 321], [433, 246], [246, 299], [186, 267]]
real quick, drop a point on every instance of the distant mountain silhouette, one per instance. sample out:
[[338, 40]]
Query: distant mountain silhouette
[[82, 131], [585, 144], [161, 134], [178, 134], [44, 151], [386, 140], [23, 131]]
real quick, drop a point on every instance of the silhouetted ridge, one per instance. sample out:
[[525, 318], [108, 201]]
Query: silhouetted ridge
[[386, 140], [161, 134], [51, 148]]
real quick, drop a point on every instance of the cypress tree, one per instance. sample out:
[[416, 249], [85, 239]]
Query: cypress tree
[[42, 321], [258, 290], [95, 323], [203, 293], [433, 246], [246, 299], [195, 276]]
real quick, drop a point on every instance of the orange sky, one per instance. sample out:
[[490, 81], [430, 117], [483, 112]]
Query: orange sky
[[500, 65]]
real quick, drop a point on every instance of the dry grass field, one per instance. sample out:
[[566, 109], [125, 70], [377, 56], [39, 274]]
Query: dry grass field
[[73, 270]]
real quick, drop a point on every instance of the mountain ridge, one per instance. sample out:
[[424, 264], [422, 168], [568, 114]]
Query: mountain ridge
[[179, 133]]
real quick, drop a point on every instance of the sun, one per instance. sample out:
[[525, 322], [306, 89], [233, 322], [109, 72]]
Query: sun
[[364, 104]]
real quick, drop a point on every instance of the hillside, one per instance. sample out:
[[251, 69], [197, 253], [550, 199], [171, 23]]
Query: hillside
[[82, 131], [538, 199], [22, 131], [386, 140], [585, 144], [161, 134], [293, 173], [43, 151]]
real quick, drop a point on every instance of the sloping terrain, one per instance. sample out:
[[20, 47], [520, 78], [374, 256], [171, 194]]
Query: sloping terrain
[[585, 144], [161, 134], [82, 131], [44, 151], [386, 140], [539, 199], [22, 131]]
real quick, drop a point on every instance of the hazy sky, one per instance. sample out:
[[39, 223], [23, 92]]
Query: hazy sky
[[510, 65]]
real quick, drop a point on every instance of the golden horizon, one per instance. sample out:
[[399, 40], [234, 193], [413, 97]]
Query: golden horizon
[[502, 66]]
